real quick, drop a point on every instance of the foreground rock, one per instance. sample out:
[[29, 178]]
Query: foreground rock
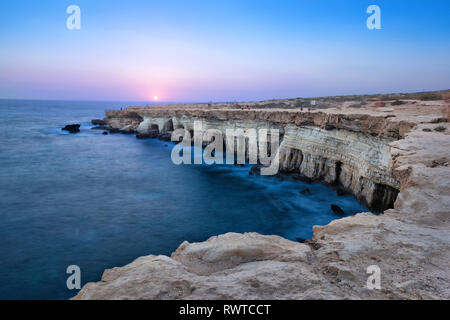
[[72, 128], [409, 243]]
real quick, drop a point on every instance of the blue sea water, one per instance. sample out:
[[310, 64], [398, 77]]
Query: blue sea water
[[101, 201]]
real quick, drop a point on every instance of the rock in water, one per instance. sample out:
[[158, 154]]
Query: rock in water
[[255, 170], [72, 128], [149, 134], [167, 136], [98, 122], [306, 192], [337, 210], [105, 133], [128, 129], [100, 128]]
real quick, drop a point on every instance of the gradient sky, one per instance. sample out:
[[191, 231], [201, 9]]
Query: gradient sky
[[221, 50]]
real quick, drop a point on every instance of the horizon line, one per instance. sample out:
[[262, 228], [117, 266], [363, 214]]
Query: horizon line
[[223, 101]]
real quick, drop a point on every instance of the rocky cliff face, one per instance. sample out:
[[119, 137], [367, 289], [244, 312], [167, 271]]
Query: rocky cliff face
[[350, 152], [405, 149]]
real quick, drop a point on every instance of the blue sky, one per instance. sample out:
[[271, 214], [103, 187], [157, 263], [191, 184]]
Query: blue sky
[[221, 50]]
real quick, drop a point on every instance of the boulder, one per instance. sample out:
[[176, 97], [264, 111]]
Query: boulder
[[337, 210], [72, 128], [100, 128], [306, 192], [255, 170], [166, 136]]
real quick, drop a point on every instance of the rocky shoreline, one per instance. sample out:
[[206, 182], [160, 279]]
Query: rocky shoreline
[[392, 158]]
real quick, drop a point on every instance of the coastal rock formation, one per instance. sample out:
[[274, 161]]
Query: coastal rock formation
[[72, 128], [127, 124], [337, 210], [99, 122], [348, 151], [408, 243]]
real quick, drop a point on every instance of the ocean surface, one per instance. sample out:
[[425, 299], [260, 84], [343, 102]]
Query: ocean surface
[[101, 201]]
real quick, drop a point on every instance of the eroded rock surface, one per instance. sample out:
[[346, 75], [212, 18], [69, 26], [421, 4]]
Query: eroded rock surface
[[409, 243]]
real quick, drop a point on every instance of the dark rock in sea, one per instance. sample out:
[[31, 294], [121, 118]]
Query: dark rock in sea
[[337, 210], [166, 136], [105, 133], [255, 170], [148, 134], [100, 122], [301, 240], [127, 130], [114, 130], [72, 128], [341, 191], [306, 192], [299, 177], [100, 128], [143, 136]]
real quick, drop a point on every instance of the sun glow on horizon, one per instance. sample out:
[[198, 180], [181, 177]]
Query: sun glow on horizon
[[156, 98]]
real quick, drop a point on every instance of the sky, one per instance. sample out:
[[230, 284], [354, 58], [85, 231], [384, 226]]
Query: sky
[[217, 50]]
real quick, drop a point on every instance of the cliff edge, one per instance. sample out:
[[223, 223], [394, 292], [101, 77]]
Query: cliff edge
[[409, 242]]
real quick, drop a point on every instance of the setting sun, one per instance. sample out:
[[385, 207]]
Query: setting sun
[[155, 98]]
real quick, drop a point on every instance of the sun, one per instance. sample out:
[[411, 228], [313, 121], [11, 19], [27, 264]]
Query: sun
[[155, 98]]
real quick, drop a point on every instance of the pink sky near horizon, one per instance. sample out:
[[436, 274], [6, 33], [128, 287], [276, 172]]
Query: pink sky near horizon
[[217, 51]]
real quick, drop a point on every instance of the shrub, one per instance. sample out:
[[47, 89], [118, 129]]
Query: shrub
[[397, 103], [430, 97], [440, 129]]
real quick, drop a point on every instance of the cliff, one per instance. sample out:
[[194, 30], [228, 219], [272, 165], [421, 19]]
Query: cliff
[[394, 157]]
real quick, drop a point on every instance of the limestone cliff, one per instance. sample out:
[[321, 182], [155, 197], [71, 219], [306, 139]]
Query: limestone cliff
[[350, 151], [375, 153]]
